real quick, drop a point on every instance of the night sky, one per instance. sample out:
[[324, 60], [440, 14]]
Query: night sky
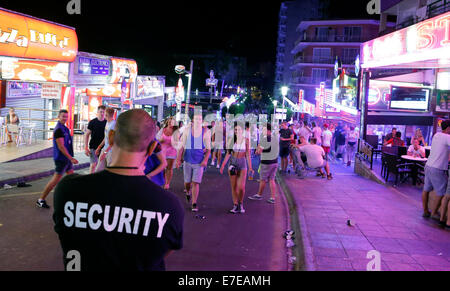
[[151, 31]]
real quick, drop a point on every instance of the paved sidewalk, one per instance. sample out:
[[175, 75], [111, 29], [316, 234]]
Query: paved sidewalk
[[383, 218], [25, 171]]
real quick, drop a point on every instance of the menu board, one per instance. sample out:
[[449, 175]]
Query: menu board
[[90, 66], [20, 89]]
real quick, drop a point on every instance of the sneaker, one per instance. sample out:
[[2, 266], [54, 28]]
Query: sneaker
[[241, 208], [194, 208], [188, 197], [330, 177], [271, 201], [426, 215], [42, 204], [255, 197], [218, 166], [234, 210]]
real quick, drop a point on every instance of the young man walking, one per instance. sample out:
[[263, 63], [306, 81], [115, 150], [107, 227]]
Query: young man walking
[[269, 164], [286, 137], [62, 156], [96, 133], [118, 220], [195, 151]]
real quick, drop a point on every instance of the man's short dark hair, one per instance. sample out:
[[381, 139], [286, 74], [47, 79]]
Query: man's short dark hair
[[394, 128], [101, 107], [313, 140], [398, 134], [63, 111], [445, 124], [135, 130]]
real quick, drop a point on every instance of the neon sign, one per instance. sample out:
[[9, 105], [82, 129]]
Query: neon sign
[[26, 37], [427, 40]]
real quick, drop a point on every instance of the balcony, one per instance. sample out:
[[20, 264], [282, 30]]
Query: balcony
[[438, 8], [323, 60], [331, 38], [310, 81]]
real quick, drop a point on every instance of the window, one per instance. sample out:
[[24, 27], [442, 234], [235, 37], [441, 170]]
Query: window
[[322, 33], [349, 55], [319, 75], [322, 55], [352, 34]]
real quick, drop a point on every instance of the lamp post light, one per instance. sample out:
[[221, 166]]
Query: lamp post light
[[284, 92], [275, 103]]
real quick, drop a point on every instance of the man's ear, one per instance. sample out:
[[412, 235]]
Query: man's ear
[[111, 136]]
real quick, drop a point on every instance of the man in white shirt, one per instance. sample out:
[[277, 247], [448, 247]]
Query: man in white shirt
[[436, 169], [105, 154], [305, 131], [317, 133], [315, 156], [416, 150], [327, 137]]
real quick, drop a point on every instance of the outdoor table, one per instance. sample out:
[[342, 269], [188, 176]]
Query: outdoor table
[[415, 161]]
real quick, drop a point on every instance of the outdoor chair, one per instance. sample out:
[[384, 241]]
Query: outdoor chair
[[395, 166]]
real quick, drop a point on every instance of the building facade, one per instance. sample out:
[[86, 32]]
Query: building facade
[[291, 14], [318, 45]]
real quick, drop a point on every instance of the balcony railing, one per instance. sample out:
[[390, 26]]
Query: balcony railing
[[322, 60], [332, 38], [310, 81], [438, 7]]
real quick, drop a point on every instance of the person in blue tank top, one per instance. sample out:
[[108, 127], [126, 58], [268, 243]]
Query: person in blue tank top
[[62, 155], [195, 151]]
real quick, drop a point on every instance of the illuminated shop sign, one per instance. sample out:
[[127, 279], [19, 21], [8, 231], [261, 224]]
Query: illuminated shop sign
[[113, 90], [149, 87], [90, 66], [21, 89], [428, 40], [26, 37], [34, 71], [123, 70]]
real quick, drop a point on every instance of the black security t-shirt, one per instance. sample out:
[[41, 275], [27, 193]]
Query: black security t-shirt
[[117, 223], [97, 129]]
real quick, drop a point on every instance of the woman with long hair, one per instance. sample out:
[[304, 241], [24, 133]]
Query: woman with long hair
[[419, 136], [167, 140], [239, 151]]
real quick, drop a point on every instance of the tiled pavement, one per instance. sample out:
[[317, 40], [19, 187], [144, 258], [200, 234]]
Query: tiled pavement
[[383, 219]]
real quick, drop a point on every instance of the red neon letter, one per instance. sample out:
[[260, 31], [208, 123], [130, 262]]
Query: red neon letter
[[444, 22], [426, 35]]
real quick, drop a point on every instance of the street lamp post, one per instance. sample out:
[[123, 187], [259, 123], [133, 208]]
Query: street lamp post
[[275, 103], [188, 97], [284, 92]]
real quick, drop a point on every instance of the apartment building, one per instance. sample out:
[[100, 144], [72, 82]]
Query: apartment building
[[318, 45], [291, 14]]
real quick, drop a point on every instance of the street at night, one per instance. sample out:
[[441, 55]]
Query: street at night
[[230, 144]]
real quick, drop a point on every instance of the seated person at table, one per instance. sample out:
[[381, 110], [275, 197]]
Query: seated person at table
[[315, 157], [12, 119], [390, 136], [396, 141], [416, 150]]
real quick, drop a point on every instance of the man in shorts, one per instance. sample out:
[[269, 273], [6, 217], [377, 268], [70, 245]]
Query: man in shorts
[[327, 138], [96, 133], [436, 169], [286, 137], [269, 164], [195, 152], [62, 156]]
